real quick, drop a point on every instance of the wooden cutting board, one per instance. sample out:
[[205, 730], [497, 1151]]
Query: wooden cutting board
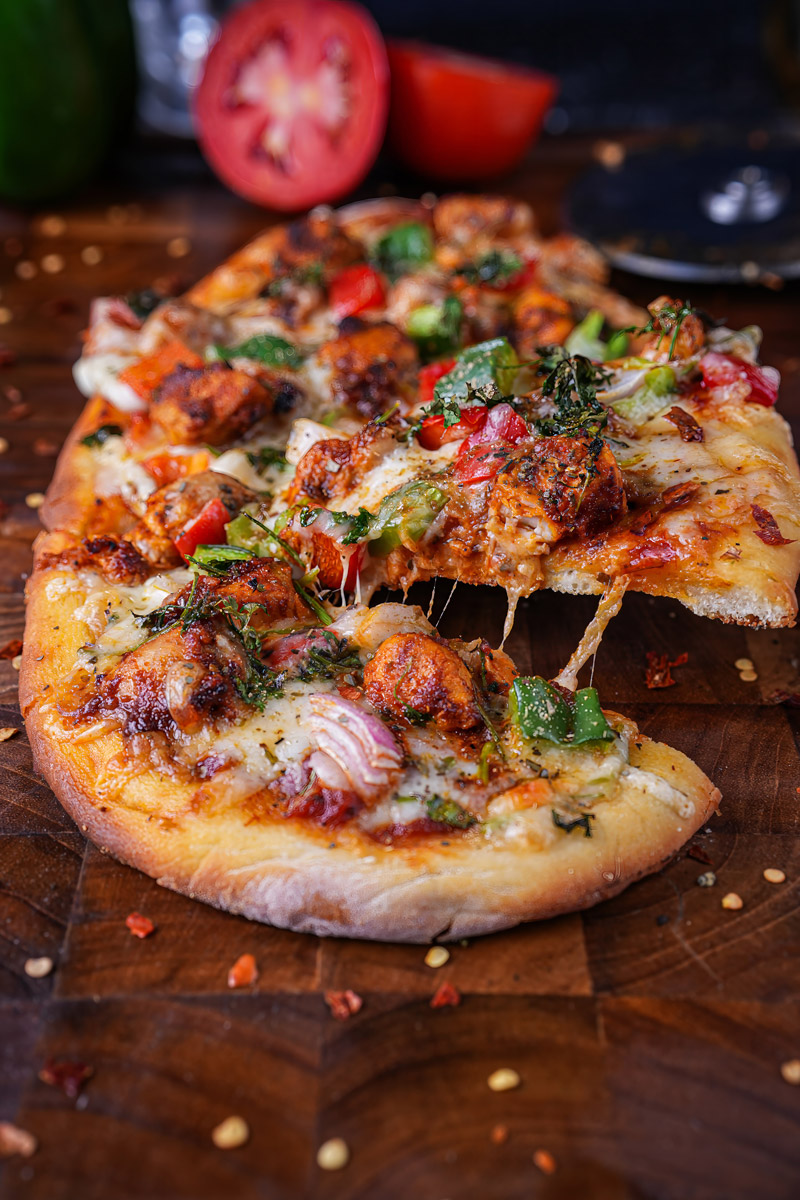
[[649, 1033]]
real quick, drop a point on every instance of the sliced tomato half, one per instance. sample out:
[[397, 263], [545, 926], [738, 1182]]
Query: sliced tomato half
[[291, 109], [354, 290], [432, 433], [457, 116], [484, 452], [429, 376]]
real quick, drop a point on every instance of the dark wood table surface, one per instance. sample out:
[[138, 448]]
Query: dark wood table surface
[[649, 1033]]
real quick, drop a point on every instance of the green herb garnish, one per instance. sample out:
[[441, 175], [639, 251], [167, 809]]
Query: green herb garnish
[[570, 823], [266, 348], [100, 436], [436, 328], [143, 302], [487, 368], [267, 456], [403, 249]]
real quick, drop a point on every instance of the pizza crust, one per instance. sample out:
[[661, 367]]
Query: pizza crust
[[295, 875]]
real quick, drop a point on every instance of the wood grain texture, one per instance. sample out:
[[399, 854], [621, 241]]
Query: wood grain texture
[[648, 1033]]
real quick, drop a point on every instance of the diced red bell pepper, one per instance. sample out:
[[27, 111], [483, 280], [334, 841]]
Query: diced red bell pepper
[[145, 375], [207, 528], [721, 369], [481, 454], [429, 376], [433, 434], [354, 290], [514, 283]]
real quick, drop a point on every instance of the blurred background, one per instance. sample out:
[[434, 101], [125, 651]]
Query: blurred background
[[308, 101]]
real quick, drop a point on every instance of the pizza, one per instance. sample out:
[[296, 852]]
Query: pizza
[[352, 774], [359, 400]]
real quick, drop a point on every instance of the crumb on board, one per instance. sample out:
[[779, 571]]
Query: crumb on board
[[437, 956], [333, 1154], [230, 1133], [504, 1079]]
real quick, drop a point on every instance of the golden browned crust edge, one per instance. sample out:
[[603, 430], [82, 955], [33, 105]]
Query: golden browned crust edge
[[287, 874], [70, 497]]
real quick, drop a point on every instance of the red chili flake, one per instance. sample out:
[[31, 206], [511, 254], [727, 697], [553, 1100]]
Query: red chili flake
[[18, 412], [11, 649], [68, 1076], [446, 996], [642, 521], [790, 699], [658, 673], [678, 495], [7, 356], [699, 855], [140, 926], [45, 448], [348, 691], [12, 394], [243, 972], [499, 1135], [343, 1004], [768, 527], [688, 428]]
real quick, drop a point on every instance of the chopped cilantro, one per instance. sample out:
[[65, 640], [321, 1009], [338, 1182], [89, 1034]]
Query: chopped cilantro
[[403, 249], [266, 348], [267, 456]]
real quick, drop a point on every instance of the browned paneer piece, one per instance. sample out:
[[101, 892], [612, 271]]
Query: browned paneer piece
[[561, 484], [212, 404], [540, 319], [332, 466], [415, 676], [181, 680], [171, 508], [369, 367], [261, 581]]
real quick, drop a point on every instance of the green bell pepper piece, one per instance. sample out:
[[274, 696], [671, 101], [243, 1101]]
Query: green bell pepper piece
[[405, 515]]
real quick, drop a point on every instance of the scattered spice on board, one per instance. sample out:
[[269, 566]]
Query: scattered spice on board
[[38, 968], [68, 1076], [11, 649], [774, 875], [659, 669], [499, 1135], [7, 732], [504, 1079], [446, 996], [14, 1140], [545, 1162], [437, 956], [333, 1154], [139, 926], [733, 901], [243, 972], [343, 1005], [791, 1071], [230, 1133]]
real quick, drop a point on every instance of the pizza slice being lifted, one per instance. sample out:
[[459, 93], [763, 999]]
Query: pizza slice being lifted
[[402, 393]]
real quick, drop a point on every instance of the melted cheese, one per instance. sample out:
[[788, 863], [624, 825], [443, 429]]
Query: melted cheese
[[98, 375]]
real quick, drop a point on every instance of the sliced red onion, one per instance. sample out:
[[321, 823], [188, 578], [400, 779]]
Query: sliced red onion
[[328, 772], [358, 743]]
